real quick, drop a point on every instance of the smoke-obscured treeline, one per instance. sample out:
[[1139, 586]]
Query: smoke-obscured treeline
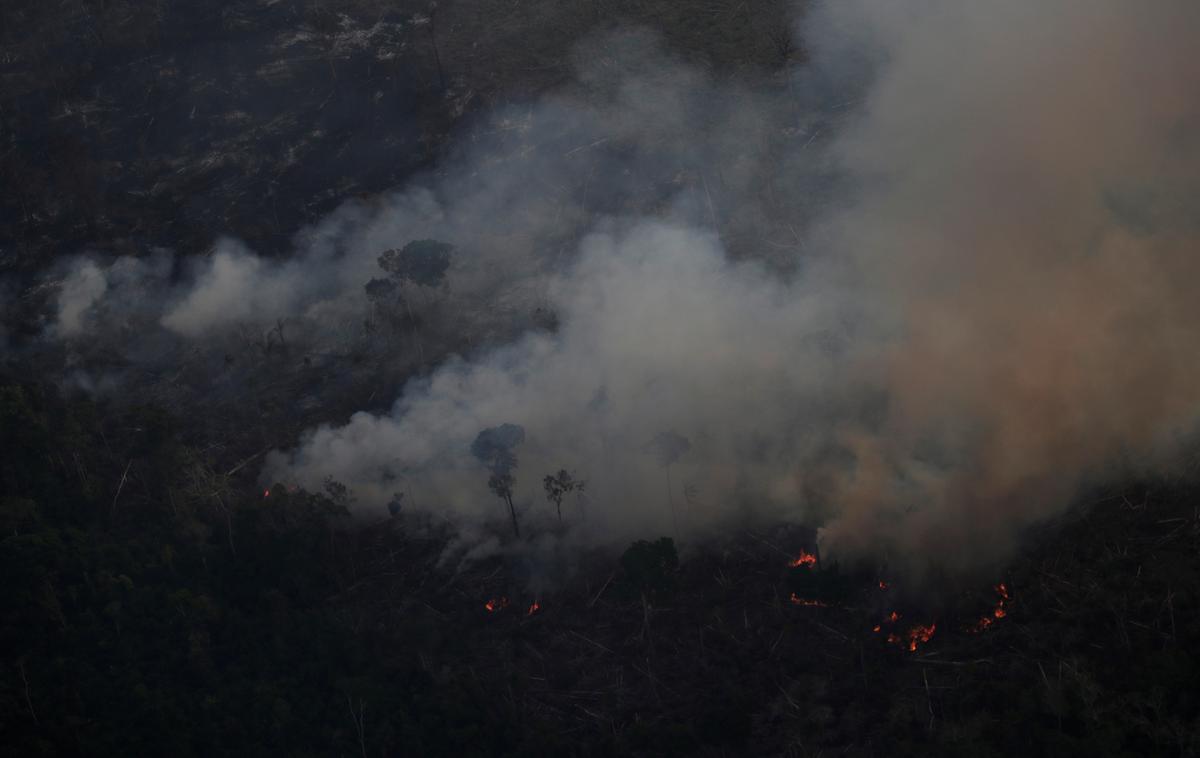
[[325, 324], [152, 607], [920, 309]]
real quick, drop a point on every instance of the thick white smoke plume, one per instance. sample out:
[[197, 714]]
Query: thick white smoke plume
[[659, 332], [1018, 261], [987, 296]]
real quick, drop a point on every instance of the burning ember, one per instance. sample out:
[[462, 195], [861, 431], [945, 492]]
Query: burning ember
[[797, 600], [919, 635], [892, 618], [496, 604], [804, 560], [534, 608], [883, 585], [998, 612]]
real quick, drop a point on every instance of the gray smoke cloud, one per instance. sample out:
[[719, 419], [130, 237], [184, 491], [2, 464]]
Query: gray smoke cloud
[[80, 291], [519, 190], [1002, 306], [658, 331], [920, 291]]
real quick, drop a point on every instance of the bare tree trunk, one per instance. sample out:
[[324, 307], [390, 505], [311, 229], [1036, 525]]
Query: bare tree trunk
[[416, 335], [512, 510]]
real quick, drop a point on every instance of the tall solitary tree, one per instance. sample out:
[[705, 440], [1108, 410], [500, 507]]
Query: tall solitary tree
[[494, 447]]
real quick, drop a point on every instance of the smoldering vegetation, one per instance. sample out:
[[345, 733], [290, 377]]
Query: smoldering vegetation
[[919, 291], [715, 388]]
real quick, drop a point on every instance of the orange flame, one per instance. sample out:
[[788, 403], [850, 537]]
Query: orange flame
[[797, 600], [999, 612], [805, 559], [534, 608], [495, 604], [919, 635]]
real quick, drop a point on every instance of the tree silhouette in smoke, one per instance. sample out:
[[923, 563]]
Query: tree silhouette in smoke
[[494, 448], [381, 293], [421, 263], [560, 485]]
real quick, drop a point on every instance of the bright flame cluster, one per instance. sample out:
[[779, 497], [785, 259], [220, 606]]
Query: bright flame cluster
[[998, 612], [914, 637], [805, 559]]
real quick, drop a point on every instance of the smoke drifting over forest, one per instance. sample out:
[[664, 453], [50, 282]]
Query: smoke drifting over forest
[[920, 292]]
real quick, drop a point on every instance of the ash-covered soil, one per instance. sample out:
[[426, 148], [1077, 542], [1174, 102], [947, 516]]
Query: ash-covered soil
[[126, 125]]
